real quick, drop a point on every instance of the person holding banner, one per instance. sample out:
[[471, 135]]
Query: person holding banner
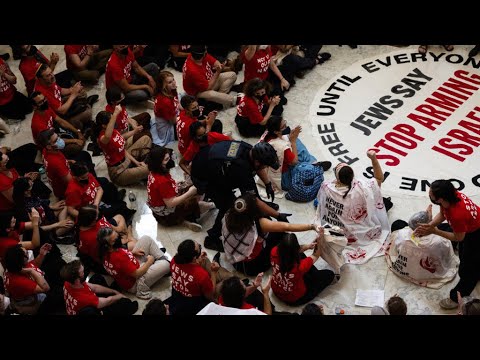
[[355, 208], [462, 215]]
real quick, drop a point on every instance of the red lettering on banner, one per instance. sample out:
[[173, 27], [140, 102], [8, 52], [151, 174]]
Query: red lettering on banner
[[403, 137]]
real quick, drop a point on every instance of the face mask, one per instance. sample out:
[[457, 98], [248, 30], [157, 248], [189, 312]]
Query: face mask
[[83, 181], [196, 113], [124, 51], [196, 56], [118, 242], [60, 144], [44, 106], [170, 164], [262, 47], [260, 97], [203, 138], [33, 50]]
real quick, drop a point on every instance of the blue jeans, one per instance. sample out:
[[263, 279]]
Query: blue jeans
[[304, 156]]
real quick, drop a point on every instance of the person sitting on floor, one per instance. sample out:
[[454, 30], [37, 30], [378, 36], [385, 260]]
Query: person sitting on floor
[[426, 261], [13, 104], [255, 108], [134, 271], [79, 294], [295, 279], [359, 211], [394, 306]]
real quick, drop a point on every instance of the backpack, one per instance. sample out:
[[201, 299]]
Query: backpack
[[306, 181]]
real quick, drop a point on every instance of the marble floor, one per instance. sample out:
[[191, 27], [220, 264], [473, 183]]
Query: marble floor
[[372, 275]]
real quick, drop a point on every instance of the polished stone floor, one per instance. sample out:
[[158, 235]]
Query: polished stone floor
[[372, 275]]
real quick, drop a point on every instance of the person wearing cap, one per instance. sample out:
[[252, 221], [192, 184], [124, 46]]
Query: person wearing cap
[[203, 77], [233, 165]]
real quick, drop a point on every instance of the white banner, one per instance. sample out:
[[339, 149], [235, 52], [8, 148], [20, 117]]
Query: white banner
[[419, 112]]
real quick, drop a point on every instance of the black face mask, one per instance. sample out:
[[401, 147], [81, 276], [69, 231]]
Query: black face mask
[[124, 51], [260, 97], [170, 164], [33, 50], [196, 113], [198, 56], [118, 242], [83, 181], [44, 106], [203, 138]]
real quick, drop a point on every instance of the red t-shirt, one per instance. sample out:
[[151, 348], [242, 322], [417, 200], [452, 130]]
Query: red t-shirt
[[258, 65], [118, 69], [114, 151], [28, 67], [165, 107], [6, 183], [463, 216], [289, 286], [183, 131], [78, 195], [78, 298], [194, 148], [57, 167], [249, 108], [121, 124], [19, 286], [160, 187], [80, 50], [7, 90], [245, 305], [42, 121], [52, 93], [120, 264], [190, 279], [196, 77], [88, 239]]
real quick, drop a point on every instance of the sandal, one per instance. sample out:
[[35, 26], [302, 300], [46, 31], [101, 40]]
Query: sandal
[[422, 49], [448, 47]]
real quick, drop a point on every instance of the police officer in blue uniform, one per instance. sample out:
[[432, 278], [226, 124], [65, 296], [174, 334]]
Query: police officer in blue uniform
[[233, 165]]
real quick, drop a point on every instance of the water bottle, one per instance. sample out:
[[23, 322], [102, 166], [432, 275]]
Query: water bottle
[[133, 200], [43, 175], [339, 311]]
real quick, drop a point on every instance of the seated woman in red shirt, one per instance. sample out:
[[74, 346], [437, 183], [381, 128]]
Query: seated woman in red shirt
[[255, 108], [294, 278], [134, 271], [235, 294], [195, 280], [190, 114], [24, 281], [124, 167], [167, 109], [169, 207], [78, 294], [89, 223]]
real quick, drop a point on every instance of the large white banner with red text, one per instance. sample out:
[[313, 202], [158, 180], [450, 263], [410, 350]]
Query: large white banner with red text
[[419, 112]]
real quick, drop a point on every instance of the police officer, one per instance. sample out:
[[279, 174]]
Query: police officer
[[233, 165]]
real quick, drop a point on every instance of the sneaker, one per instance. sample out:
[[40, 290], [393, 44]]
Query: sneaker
[[474, 51], [92, 99], [326, 165], [216, 258], [193, 226], [448, 304], [213, 244], [144, 295]]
